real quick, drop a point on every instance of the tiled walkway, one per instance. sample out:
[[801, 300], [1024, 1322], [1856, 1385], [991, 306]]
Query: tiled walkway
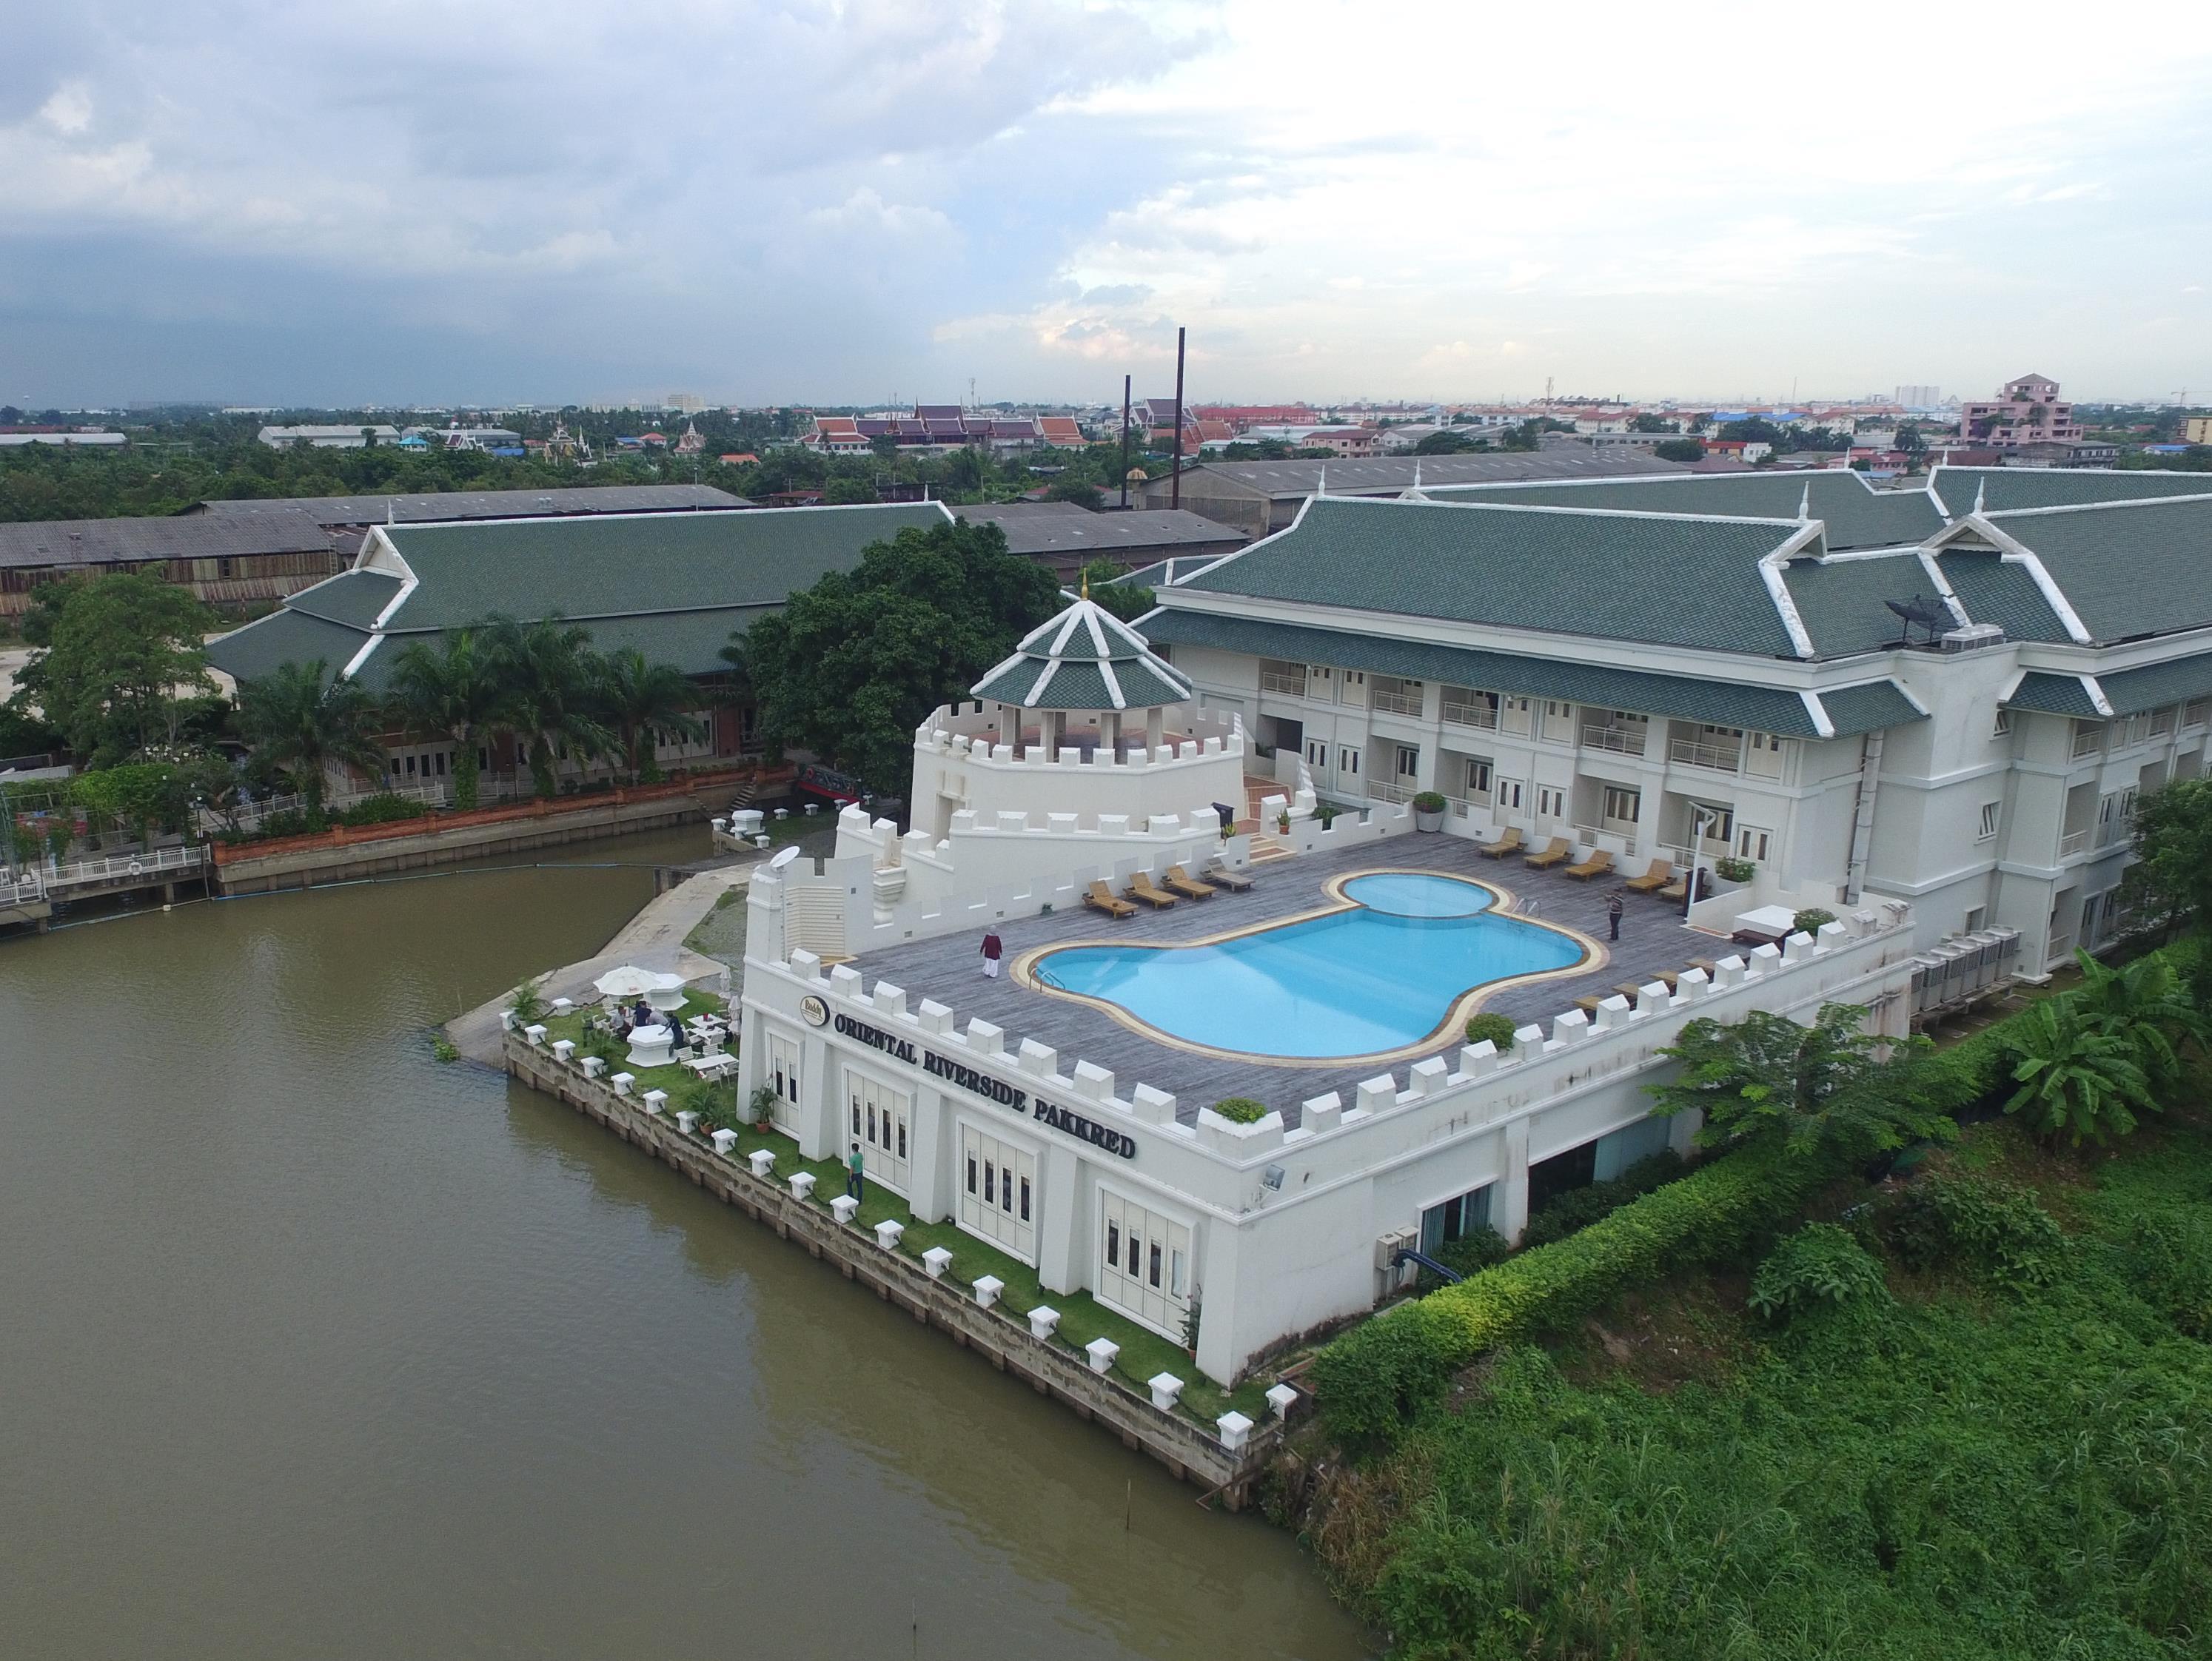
[[1653, 937]]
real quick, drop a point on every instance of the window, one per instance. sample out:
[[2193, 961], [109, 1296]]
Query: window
[[1409, 760], [2003, 723], [1712, 824], [1509, 795], [1990, 813], [1316, 756], [1455, 1219], [1753, 843], [1550, 804], [1347, 761], [2196, 712], [1622, 807], [2088, 739], [1478, 777], [1977, 920]]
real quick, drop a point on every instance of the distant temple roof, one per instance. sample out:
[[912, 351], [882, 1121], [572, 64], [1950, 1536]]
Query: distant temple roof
[[1085, 658]]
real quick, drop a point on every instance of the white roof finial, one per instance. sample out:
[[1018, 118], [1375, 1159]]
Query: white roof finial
[[1981, 491], [1323, 489], [1805, 505], [1417, 472]]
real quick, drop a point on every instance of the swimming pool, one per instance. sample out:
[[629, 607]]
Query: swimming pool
[[1385, 972]]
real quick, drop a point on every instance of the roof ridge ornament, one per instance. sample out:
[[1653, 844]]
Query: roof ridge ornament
[[1322, 489], [1981, 492], [1805, 505]]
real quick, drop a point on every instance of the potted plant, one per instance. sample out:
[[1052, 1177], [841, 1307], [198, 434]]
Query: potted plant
[[1283, 822], [762, 1104], [1429, 811], [1190, 1325], [1497, 1029], [1734, 871], [1811, 920]]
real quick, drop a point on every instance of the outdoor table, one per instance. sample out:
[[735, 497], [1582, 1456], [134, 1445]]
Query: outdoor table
[[710, 1067], [1772, 921]]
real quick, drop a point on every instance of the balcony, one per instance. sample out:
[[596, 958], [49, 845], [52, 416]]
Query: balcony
[[1291, 683], [1478, 713], [1621, 740], [1722, 755], [2073, 842], [1393, 703], [1398, 794]]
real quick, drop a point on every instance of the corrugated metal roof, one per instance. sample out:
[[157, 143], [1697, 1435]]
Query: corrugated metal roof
[[165, 536], [437, 505], [1668, 581], [1755, 708]]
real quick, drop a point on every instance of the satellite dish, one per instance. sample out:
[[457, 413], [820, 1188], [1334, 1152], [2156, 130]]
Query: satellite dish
[[784, 858], [1926, 613]]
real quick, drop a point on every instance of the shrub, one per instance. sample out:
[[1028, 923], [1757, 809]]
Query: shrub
[[1811, 920], [1732, 869], [1995, 1229], [762, 1103], [1429, 801], [529, 1004], [1497, 1029], [1820, 1266], [1578, 1208], [2169, 1261], [382, 809], [1241, 1110], [1472, 1253]]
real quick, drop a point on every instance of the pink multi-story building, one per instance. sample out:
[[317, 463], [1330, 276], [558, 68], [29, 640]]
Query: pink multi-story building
[[2026, 411]]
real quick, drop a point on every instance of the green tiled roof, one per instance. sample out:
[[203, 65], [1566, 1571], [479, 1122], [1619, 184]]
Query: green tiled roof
[[1868, 708], [1084, 658], [1669, 580], [1993, 591], [608, 566], [355, 598], [2053, 694], [2133, 690], [1841, 601], [1762, 709], [1855, 515], [2127, 570], [2006, 488], [285, 637]]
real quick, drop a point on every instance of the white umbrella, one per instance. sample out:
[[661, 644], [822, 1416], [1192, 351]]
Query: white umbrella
[[629, 981]]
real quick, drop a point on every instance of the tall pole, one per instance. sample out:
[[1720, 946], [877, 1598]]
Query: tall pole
[[1125, 440], [1174, 478]]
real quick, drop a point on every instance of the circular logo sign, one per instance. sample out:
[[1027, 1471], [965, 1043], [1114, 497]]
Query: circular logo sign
[[815, 1010]]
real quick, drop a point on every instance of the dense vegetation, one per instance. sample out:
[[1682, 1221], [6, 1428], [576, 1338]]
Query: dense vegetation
[[1768, 1410]]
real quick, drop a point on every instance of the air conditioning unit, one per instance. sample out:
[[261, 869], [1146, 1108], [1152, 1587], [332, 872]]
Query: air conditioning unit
[[1390, 1278], [1974, 637]]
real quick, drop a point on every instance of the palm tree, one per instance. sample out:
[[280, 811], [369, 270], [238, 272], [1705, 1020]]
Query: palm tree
[[299, 720], [455, 693], [640, 697], [552, 679], [2076, 1078]]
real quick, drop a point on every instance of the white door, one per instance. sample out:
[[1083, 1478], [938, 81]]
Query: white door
[[783, 1079], [997, 1192], [880, 1119], [1144, 1265]]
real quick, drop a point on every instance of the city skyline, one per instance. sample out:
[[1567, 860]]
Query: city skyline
[[776, 203]]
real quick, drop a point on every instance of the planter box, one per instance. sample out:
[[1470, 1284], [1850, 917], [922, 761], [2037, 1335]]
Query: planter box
[[1425, 821]]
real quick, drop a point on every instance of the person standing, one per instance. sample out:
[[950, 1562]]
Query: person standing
[[1612, 909], [993, 949], [855, 1185]]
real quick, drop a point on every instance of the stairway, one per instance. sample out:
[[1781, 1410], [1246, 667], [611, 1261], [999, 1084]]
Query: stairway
[[1265, 849]]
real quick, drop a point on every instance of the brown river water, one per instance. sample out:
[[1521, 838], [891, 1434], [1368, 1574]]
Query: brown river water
[[311, 1346]]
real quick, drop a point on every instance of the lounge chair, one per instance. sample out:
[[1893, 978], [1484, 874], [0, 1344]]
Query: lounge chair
[[1140, 888], [1179, 880], [1678, 890], [1597, 865], [1510, 842], [1661, 874], [1560, 851], [1222, 878], [1631, 990], [1100, 898]]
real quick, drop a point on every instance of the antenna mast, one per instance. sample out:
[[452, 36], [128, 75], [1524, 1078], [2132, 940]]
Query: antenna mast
[[1174, 478], [1125, 441]]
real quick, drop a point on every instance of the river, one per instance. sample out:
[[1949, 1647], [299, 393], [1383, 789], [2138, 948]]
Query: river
[[310, 1345]]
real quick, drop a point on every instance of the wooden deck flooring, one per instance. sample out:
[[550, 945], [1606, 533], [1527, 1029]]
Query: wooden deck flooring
[[1653, 937]]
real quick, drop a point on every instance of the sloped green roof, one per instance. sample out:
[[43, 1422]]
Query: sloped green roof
[[2128, 571], [285, 637], [1841, 601], [1761, 709], [2053, 694], [2006, 488], [1868, 708], [1994, 592], [355, 598], [1855, 515], [614, 565], [1669, 580], [2133, 690], [1084, 658]]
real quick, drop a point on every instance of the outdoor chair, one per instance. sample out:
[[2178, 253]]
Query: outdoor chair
[[1140, 888], [1660, 873], [1222, 878], [1100, 898], [1179, 880], [1597, 865], [1559, 853], [1510, 842]]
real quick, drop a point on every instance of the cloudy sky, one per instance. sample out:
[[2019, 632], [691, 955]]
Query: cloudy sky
[[778, 200]]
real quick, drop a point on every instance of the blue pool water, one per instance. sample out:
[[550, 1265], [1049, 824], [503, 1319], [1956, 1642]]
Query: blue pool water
[[1378, 977]]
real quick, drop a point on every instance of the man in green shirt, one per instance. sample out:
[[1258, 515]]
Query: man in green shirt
[[853, 1185]]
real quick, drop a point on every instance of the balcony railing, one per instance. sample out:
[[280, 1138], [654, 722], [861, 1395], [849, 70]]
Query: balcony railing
[[1471, 714], [1380, 792], [1706, 753], [1273, 680], [1395, 703], [2073, 842], [2089, 742], [1622, 741]]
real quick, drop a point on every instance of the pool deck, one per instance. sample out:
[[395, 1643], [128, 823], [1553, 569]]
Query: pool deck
[[1653, 937]]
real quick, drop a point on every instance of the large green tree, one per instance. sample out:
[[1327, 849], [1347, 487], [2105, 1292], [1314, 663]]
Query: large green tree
[[850, 667], [452, 691], [115, 657], [638, 698], [553, 678], [299, 721]]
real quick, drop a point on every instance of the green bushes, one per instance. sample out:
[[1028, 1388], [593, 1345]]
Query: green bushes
[[1811, 920], [1578, 1208], [1994, 1228], [1372, 1381], [1429, 801], [1241, 1110], [1497, 1029], [1819, 1267], [382, 809]]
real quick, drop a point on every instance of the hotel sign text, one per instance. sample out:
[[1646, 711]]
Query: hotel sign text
[[1065, 1120]]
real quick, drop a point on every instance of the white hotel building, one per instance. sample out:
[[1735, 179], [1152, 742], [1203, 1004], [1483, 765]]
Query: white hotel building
[[1657, 668]]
